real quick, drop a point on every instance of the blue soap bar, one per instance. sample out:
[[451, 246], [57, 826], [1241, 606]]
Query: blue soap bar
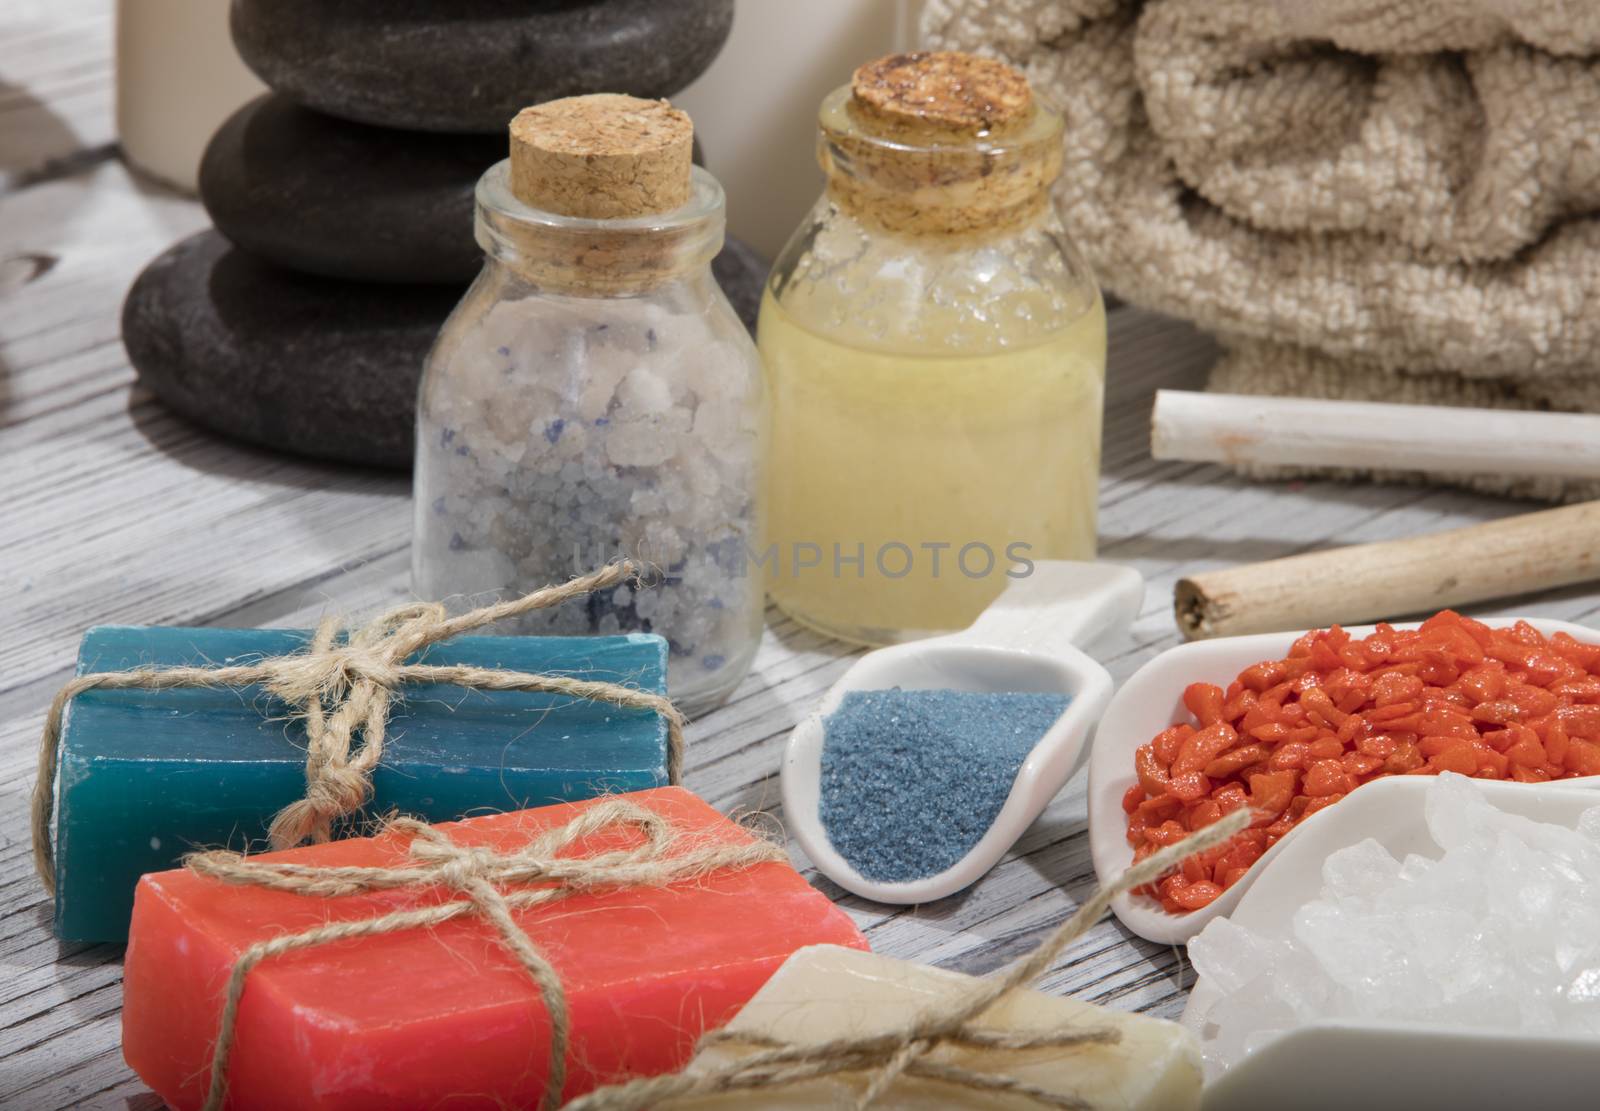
[[147, 776]]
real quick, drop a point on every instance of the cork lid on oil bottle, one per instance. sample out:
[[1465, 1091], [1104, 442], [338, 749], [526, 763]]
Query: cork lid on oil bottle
[[600, 195], [939, 95], [939, 144]]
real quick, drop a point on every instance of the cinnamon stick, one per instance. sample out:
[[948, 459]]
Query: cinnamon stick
[[1393, 578]]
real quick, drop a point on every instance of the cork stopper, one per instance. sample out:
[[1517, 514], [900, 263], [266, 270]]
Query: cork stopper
[[603, 156], [940, 94], [939, 144]]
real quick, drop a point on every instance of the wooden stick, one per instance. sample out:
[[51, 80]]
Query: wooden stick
[[1436, 439], [1369, 582]]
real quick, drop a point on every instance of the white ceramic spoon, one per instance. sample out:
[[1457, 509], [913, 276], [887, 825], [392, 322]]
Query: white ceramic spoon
[[1151, 701], [1344, 1063], [1026, 641]]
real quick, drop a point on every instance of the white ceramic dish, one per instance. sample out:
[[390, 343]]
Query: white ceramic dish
[[1026, 641], [1344, 1063], [1151, 701]]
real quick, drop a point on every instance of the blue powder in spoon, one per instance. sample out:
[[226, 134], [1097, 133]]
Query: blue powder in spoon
[[912, 779]]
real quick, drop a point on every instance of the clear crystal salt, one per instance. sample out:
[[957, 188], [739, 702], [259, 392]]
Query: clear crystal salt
[[1501, 931]]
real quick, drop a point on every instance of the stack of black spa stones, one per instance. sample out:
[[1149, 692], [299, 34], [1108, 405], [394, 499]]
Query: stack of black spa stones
[[343, 202]]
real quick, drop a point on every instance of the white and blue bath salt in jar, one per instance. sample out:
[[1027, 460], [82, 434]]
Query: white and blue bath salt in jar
[[595, 396]]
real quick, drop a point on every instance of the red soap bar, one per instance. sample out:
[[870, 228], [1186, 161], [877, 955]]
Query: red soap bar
[[444, 1017]]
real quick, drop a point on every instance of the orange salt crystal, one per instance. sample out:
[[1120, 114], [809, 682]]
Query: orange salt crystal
[[1293, 736]]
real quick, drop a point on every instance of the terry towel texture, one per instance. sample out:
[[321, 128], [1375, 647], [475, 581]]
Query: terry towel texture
[[1389, 200]]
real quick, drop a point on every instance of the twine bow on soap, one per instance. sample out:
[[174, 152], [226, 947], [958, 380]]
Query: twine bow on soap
[[481, 876], [344, 691], [882, 1058]]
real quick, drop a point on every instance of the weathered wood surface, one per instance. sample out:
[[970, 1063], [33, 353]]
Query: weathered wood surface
[[111, 510]]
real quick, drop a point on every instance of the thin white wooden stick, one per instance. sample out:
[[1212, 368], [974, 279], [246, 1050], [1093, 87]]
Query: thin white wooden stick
[[1434, 439]]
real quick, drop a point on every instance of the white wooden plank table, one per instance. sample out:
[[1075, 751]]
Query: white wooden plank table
[[112, 510]]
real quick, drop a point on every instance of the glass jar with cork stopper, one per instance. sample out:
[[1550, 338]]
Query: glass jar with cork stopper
[[935, 350], [595, 396]]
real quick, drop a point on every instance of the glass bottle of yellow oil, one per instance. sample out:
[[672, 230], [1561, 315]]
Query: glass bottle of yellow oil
[[935, 350]]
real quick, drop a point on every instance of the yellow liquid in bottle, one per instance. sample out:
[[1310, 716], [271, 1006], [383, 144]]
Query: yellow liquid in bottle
[[890, 452]]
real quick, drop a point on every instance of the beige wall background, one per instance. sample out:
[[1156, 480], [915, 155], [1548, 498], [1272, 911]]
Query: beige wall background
[[756, 107], [178, 78]]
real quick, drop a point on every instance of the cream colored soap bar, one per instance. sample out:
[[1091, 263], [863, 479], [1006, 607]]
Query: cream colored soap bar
[[825, 992]]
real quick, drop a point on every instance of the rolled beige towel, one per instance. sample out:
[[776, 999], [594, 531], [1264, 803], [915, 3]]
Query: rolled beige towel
[[1379, 199]]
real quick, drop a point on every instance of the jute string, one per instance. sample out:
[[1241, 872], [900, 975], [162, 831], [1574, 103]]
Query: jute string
[[957, 1022], [482, 876], [344, 691]]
